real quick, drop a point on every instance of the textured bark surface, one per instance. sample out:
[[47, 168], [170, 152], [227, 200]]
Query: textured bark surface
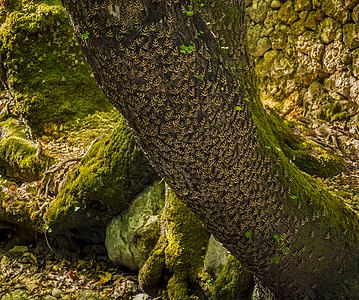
[[206, 133]]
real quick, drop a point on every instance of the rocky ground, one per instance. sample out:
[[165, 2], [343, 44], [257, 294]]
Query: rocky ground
[[37, 271]]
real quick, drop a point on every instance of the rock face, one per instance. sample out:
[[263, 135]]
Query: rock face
[[304, 49], [216, 257], [131, 236]]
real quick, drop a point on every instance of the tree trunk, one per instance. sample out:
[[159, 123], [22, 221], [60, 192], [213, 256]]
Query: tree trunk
[[194, 110]]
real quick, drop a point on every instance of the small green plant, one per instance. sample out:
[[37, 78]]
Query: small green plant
[[189, 13], [246, 99], [275, 259], [293, 197], [85, 35], [200, 77], [239, 108], [48, 229], [187, 49], [268, 147], [200, 32], [248, 234]]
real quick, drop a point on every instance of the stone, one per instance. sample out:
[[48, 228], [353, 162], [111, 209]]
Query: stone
[[48, 297], [141, 297], [331, 58], [275, 4], [216, 257], [263, 67], [5, 261], [316, 100], [257, 45], [19, 249], [308, 70], [336, 10], [319, 14], [354, 92], [311, 22], [248, 3], [355, 62], [300, 5], [257, 11], [287, 14], [355, 14], [15, 295], [328, 29], [57, 293], [310, 44], [318, 3], [89, 295], [351, 35], [278, 37], [272, 20], [131, 235], [298, 27], [340, 82]]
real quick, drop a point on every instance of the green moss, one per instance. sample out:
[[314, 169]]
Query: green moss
[[108, 179], [183, 249], [45, 67], [306, 155], [234, 282], [18, 160]]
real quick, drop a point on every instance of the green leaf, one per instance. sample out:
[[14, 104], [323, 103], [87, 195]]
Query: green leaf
[[285, 250], [248, 234], [246, 99], [200, 77], [85, 35], [275, 259], [268, 147], [189, 13], [200, 32], [276, 237], [293, 196], [239, 108], [201, 5]]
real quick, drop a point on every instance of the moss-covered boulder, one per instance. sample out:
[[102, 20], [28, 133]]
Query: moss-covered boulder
[[104, 184], [18, 159], [42, 64], [132, 235]]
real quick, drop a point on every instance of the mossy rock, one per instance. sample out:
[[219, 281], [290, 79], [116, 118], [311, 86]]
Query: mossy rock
[[107, 180], [44, 67], [179, 254], [18, 161], [234, 282]]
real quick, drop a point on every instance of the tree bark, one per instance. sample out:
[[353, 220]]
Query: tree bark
[[193, 109]]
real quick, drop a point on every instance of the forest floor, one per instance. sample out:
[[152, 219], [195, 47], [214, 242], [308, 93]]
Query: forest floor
[[38, 272]]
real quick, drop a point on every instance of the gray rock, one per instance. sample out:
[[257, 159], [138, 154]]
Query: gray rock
[[287, 14], [216, 257], [332, 57], [329, 30], [300, 5], [336, 10], [89, 295], [275, 4], [271, 21], [351, 35], [354, 92], [355, 62], [141, 297], [57, 293], [257, 11], [257, 45], [310, 44], [316, 100], [131, 235], [340, 82]]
